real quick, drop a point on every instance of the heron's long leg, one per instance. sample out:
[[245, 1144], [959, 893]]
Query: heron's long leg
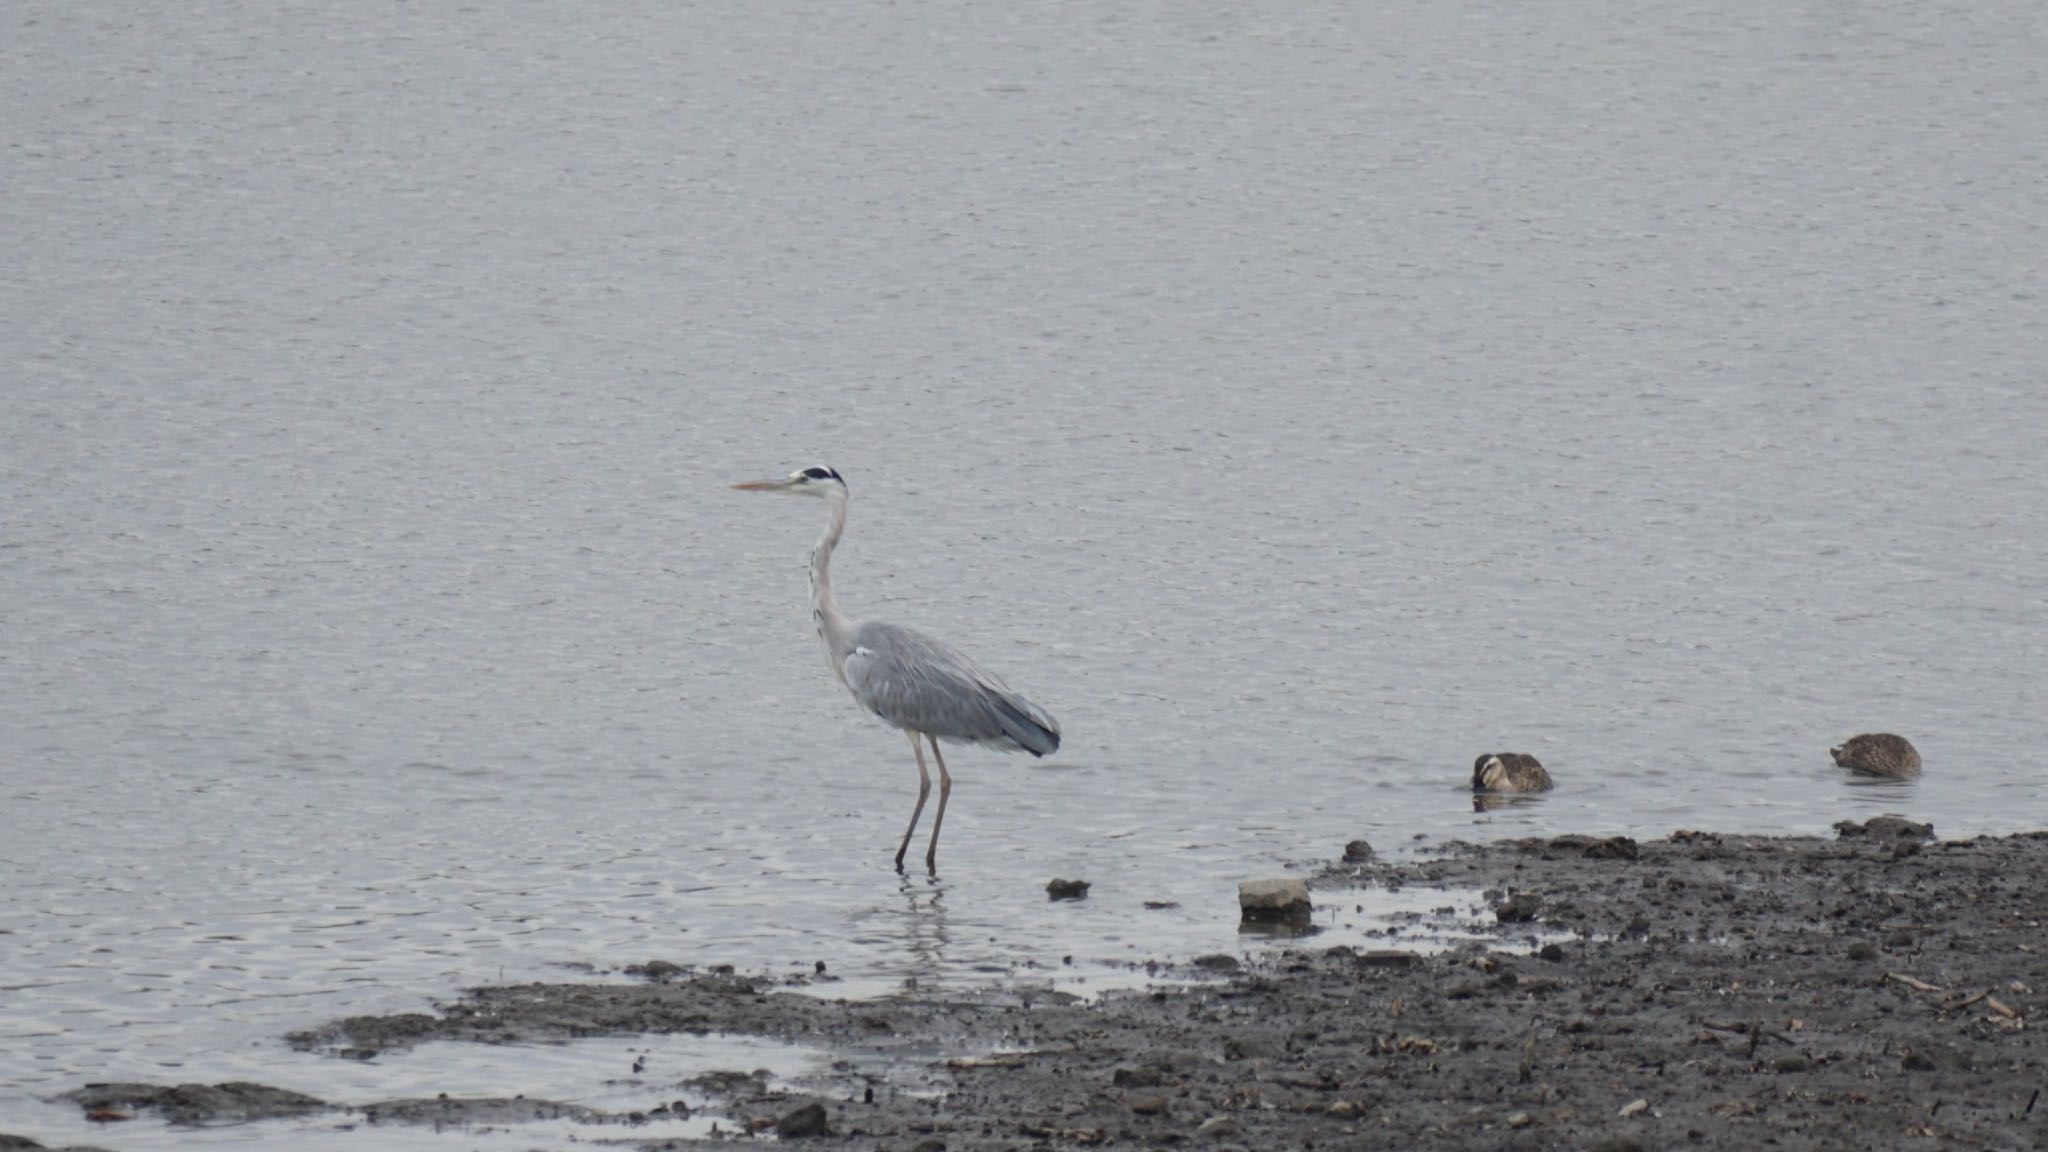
[[924, 788], [931, 854]]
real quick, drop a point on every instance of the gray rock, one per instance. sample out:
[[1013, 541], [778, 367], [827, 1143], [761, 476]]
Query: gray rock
[[1067, 890], [1886, 827]]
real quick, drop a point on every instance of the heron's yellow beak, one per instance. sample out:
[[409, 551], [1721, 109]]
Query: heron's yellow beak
[[761, 486]]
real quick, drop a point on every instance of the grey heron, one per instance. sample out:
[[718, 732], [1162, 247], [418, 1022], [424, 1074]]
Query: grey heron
[[1878, 754], [910, 680], [1509, 772]]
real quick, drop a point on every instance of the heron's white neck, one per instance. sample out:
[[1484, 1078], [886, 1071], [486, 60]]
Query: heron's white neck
[[833, 627]]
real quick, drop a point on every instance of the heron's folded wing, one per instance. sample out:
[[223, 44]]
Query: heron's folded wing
[[916, 682]]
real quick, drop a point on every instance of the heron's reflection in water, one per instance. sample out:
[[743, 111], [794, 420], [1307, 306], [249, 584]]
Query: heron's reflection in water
[[1884, 785], [926, 933], [1495, 801]]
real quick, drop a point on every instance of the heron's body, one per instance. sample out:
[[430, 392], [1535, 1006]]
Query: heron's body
[[1509, 772], [919, 684], [911, 680], [1878, 754]]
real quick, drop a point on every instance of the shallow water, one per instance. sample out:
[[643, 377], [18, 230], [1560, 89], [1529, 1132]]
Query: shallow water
[[1294, 404]]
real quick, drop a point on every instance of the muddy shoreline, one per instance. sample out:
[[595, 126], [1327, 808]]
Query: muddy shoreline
[[1872, 990]]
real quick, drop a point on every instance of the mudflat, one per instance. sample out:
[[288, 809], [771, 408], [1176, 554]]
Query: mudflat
[[1872, 990]]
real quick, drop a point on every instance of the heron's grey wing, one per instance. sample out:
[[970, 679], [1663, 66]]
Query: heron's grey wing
[[918, 683]]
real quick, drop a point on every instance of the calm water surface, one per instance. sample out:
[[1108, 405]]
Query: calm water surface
[[1296, 403]]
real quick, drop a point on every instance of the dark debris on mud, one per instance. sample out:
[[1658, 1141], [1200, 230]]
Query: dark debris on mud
[[1703, 991]]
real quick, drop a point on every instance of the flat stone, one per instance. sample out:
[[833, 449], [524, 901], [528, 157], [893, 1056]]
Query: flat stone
[[1388, 958], [1273, 899]]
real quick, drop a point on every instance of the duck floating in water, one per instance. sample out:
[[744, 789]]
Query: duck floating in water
[[1877, 754], [1509, 772]]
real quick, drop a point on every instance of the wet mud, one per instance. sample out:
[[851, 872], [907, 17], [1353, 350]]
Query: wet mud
[[1872, 990]]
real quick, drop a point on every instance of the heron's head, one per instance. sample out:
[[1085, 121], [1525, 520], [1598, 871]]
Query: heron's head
[[813, 481]]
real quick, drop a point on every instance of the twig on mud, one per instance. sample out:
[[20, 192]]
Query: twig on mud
[[1965, 1002], [1528, 1069], [2000, 1007], [1754, 1030], [1015, 1059], [1915, 985]]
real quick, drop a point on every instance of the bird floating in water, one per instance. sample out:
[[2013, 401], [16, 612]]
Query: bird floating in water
[[1877, 754], [1509, 772], [910, 680]]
